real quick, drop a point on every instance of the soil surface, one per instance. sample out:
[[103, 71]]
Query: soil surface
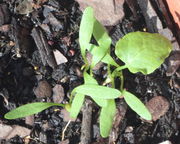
[[30, 40]]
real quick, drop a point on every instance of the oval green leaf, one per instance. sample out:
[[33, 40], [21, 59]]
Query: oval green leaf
[[76, 105], [29, 109], [143, 52], [86, 30], [104, 42], [96, 91], [136, 105], [106, 118]]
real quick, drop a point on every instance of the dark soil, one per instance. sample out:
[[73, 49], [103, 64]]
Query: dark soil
[[21, 68]]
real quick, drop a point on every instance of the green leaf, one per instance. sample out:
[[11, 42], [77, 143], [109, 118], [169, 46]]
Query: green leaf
[[103, 40], [29, 109], [86, 30], [106, 118], [96, 91], [90, 80], [90, 26], [136, 105], [76, 105], [143, 52], [109, 60]]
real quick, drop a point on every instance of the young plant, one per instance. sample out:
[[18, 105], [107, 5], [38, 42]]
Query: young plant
[[140, 51]]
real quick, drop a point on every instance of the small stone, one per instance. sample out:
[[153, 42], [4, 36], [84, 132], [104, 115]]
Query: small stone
[[58, 93], [166, 142], [66, 116], [108, 12], [157, 106], [59, 57], [7, 132], [43, 89]]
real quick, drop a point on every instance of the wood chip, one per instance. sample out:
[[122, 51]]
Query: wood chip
[[157, 106], [108, 12], [4, 14], [152, 20], [43, 47], [43, 89]]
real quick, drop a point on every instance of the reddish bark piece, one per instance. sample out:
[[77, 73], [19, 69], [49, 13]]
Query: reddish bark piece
[[108, 12], [157, 106], [43, 89]]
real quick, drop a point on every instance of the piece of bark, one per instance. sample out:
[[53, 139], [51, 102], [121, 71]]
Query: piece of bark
[[157, 106], [86, 122], [132, 4], [174, 59], [54, 22], [108, 12], [43, 89], [120, 113], [22, 39], [151, 18], [4, 14], [44, 50]]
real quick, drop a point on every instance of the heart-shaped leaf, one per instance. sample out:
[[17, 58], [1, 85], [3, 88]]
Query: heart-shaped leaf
[[136, 105], [29, 109], [143, 52]]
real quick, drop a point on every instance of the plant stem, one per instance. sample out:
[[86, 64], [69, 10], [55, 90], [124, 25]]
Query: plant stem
[[110, 75], [119, 69], [118, 73], [122, 81]]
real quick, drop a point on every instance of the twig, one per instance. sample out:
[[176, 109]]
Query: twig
[[86, 123]]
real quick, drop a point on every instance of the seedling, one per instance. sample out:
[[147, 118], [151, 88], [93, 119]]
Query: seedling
[[140, 51]]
